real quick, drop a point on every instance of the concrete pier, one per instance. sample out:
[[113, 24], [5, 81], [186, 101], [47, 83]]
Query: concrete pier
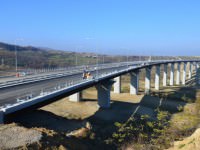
[[134, 83], [184, 74], [117, 85], [178, 74], [157, 78], [148, 80], [165, 74], [103, 93], [195, 67], [171, 82], [76, 97], [190, 71], [1, 117], [197, 77]]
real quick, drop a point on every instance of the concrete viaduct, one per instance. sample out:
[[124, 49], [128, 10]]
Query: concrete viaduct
[[104, 88], [104, 83]]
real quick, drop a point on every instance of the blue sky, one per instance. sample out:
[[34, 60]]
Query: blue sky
[[135, 27]]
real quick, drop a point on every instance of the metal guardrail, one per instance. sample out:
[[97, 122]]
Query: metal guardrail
[[53, 76]]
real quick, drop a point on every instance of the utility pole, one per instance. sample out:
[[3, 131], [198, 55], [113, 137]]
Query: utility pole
[[97, 64], [16, 69], [2, 61], [76, 60], [16, 61]]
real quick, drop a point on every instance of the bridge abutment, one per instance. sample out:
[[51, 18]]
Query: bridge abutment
[[165, 75], [117, 85], [157, 78], [148, 80], [134, 82], [103, 93], [178, 74], [184, 73], [76, 97], [171, 82]]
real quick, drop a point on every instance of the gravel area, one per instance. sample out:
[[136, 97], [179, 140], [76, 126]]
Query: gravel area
[[12, 136]]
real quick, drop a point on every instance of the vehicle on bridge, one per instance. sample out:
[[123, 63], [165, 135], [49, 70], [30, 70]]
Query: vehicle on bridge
[[87, 75]]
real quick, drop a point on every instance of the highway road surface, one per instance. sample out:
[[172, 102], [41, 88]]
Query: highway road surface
[[12, 94]]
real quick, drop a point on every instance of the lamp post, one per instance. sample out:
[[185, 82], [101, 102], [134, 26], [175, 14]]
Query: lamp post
[[127, 59], [97, 65], [76, 60], [16, 69], [16, 61]]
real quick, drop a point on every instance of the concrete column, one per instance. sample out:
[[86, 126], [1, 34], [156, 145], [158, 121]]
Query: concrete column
[[157, 78], [178, 74], [192, 67], [190, 71], [134, 83], [198, 76], [103, 93], [165, 75], [76, 97], [1, 117], [195, 67], [148, 80], [171, 82], [184, 73], [117, 85]]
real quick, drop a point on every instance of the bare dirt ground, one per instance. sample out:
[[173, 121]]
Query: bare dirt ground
[[64, 117], [189, 143], [14, 136]]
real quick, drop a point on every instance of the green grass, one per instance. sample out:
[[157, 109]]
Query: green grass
[[181, 146]]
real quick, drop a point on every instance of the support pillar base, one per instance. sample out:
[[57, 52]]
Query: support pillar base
[[76, 97], [103, 93]]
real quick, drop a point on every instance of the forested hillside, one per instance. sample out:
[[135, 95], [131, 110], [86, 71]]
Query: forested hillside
[[33, 57]]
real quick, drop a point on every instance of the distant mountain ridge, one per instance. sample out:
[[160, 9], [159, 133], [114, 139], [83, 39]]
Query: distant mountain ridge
[[42, 57], [11, 47]]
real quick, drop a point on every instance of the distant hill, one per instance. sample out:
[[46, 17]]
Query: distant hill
[[11, 47], [40, 57]]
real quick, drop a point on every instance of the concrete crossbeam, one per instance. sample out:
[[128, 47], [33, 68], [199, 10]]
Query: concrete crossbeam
[[148, 80], [103, 93], [117, 85], [157, 78], [165, 74], [134, 83], [171, 81], [76, 97], [178, 74]]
